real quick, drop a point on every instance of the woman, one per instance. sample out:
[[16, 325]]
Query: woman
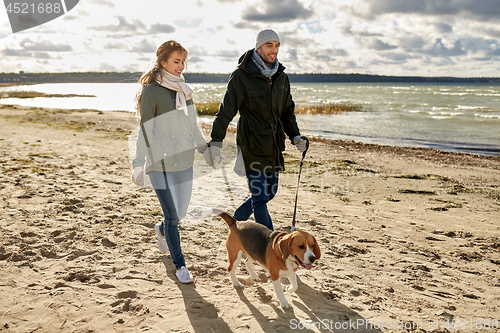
[[167, 139]]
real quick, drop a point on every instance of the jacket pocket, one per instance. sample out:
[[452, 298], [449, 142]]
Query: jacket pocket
[[262, 143], [254, 138], [157, 148], [257, 100]]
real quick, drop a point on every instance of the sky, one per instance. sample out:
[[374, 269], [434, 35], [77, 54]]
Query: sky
[[385, 37]]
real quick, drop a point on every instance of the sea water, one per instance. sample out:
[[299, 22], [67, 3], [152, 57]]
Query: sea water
[[459, 118]]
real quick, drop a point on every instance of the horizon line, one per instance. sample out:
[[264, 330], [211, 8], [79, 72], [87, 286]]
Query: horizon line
[[208, 73]]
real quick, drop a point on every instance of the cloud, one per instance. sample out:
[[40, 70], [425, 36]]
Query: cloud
[[197, 51], [276, 11], [70, 18], [105, 3], [107, 68], [443, 27], [242, 25], [371, 9], [322, 56], [396, 57], [195, 59], [482, 48], [231, 54], [161, 29], [438, 49], [191, 23], [14, 53], [314, 27], [25, 54], [144, 46], [411, 42], [482, 10], [338, 52], [492, 32], [378, 45], [495, 52], [291, 40], [346, 29], [477, 10], [115, 46], [45, 45], [292, 54], [422, 37], [43, 62], [44, 55], [123, 25]]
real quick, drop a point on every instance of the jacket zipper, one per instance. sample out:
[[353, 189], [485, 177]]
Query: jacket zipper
[[274, 128]]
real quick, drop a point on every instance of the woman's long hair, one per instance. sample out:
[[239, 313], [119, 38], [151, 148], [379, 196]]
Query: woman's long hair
[[162, 54]]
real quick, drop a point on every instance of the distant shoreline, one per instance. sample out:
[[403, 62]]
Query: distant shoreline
[[130, 77]]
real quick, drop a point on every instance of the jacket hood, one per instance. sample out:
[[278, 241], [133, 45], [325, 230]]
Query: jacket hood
[[246, 64]]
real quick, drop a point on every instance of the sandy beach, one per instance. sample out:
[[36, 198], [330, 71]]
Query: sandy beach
[[410, 238]]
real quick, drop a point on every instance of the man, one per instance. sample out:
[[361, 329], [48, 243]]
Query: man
[[260, 91]]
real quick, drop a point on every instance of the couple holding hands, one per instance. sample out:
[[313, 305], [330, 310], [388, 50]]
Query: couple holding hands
[[169, 136]]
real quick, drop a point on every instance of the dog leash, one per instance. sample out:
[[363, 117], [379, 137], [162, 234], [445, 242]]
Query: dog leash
[[228, 187], [298, 182]]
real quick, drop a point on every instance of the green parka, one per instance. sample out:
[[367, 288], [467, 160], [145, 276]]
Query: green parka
[[266, 113]]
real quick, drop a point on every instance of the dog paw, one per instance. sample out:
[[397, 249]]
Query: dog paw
[[291, 289], [285, 305], [238, 284], [254, 277]]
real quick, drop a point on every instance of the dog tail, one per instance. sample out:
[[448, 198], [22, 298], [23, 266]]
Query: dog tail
[[228, 218]]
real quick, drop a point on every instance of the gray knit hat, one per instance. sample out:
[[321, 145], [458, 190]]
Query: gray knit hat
[[265, 36]]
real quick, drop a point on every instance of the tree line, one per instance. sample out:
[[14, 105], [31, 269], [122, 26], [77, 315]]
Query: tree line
[[130, 77]]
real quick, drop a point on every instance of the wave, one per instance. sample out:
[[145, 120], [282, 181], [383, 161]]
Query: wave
[[488, 116], [451, 94], [465, 107]]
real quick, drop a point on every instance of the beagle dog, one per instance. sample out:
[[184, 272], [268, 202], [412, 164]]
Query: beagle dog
[[279, 253]]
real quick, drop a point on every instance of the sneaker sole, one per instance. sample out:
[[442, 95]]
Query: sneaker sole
[[160, 239]]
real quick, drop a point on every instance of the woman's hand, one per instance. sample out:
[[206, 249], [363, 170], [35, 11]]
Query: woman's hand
[[138, 176], [213, 156]]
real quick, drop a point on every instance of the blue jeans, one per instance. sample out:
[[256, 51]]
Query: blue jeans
[[173, 190], [263, 187]]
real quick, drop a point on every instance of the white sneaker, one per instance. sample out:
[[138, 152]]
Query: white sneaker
[[184, 275], [162, 242]]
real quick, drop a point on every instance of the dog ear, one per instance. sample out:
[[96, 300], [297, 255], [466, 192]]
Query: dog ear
[[282, 247], [316, 251]]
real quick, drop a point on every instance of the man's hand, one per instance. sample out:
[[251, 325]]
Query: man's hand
[[138, 176], [212, 156], [301, 143]]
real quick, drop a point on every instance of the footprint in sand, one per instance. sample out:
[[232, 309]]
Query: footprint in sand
[[59, 236], [127, 294], [205, 309], [48, 253], [263, 296], [108, 243]]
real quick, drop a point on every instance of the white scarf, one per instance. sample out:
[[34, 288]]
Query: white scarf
[[176, 83]]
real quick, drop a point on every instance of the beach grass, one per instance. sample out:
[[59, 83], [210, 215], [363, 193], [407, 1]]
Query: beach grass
[[448, 205], [212, 107], [421, 192], [208, 108], [330, 108], [424, 177], [35, 94]]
